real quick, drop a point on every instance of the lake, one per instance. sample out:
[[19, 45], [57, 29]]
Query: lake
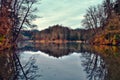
[[71, 61]]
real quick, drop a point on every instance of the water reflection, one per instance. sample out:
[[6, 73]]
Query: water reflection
[[102, 63], [30, 70], [111, 57], [12, 69], [94, 66], [97, 62], [59, 50]]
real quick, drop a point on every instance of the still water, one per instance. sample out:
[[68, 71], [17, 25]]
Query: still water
[[71, 61]]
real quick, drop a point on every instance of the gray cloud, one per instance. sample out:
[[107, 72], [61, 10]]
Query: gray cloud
[[66, 12]]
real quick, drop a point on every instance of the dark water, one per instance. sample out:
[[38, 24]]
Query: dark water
[[71, 61]]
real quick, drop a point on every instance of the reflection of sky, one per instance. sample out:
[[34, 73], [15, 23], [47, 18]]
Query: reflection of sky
[[65, 68], [65, 12]]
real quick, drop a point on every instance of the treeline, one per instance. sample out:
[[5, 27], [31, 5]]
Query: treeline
[[104, 20], [55, 32], [59, 32]]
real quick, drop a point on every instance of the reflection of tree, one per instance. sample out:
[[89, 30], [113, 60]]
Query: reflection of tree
[[55, 49], [31, 69], [58, 50], [18, 66], [106, 67], [94, 66], [12, 69], [28, 71]]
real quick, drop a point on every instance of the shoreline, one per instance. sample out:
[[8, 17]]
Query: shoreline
[[55, 41], [66, 41]]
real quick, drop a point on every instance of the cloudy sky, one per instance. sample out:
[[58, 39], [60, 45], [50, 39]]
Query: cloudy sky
[[64, 12]]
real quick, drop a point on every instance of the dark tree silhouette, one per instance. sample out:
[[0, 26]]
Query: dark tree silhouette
[[94, 66]]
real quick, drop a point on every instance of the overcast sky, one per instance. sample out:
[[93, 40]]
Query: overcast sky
[[64, 12]]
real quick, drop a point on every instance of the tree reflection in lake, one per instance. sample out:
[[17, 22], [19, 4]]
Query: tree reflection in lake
[[111, 57], [94, 66], [30, 70], [102, 63], [12, 69], [98, 62], [59, 50]]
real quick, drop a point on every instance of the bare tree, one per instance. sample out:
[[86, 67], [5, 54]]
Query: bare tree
[[117, 6], [108, 7], [92, 13], [101, 16], [95, 18], [23, 12], [87, 22], [91, 19]]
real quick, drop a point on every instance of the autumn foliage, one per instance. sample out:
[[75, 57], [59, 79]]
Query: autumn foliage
[[106, 26]]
